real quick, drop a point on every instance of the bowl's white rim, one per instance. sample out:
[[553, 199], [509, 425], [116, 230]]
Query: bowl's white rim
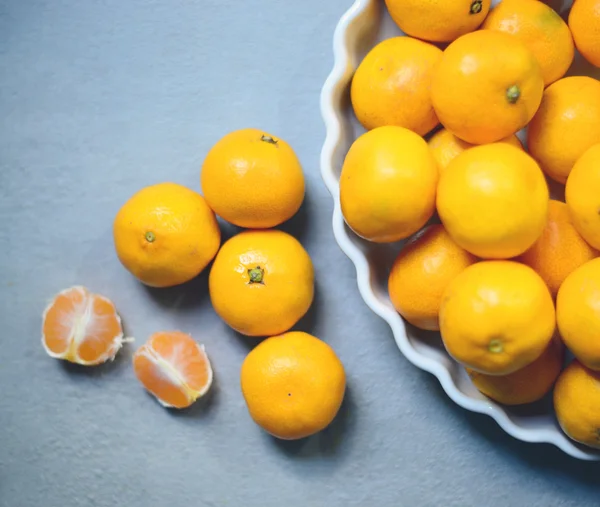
[[340, 74]]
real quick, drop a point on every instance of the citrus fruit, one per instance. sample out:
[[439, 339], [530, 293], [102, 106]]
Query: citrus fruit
[[387, 184], [445, 147], [166, 234], [82, 327], [583, 195], [174, 368], [584, 22], [438, 21], [253, 179], [526, 385], [577, 404], [493, 200], [566, 125], [497, 317], [421, 273], [261, 282], [559, 250], [578, 313], [541, 29], [293, 385], [486, 86], [391, 85]]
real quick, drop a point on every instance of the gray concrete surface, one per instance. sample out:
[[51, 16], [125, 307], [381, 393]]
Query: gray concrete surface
[[99, 98]]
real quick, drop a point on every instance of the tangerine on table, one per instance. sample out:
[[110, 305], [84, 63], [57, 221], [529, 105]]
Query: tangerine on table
[[391, 85], [253, 179], [541, 29], [497, 317], [261, 282], [577, 403], [578, 313], [493, 201], [582, 194], [293, 385], [566, 125], [486, 86], [445, 147], [584, 22], [421, 273], [82, 327], [387, 184], [173, 368], [438, 21], [526, 385], [166, 235], [559, 250]]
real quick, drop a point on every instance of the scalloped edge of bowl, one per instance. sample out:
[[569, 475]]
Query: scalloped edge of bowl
[[356, 17]]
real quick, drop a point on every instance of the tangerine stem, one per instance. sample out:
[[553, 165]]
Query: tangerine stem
[[476, 7], [268, 139], [495, 346], [513, 94], [256, 275], [150, 237]]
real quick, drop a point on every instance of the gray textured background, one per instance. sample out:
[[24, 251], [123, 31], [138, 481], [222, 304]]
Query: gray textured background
[[100, 98]]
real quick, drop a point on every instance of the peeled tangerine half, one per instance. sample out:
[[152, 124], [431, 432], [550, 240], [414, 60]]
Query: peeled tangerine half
[[174, 368], [82, 327]]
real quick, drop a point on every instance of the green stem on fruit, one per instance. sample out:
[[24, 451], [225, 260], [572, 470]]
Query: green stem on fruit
[[268, 139], [256, 275], [512, 94], [150, 237], [495, 346], [476, 7]]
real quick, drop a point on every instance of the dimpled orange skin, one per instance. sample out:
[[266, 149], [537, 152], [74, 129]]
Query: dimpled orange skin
[[493, 201], [388, 184], [541, 29], [166, 235], [421, 273], [391, 85], [293, 385], [578, 313], [438, 21], [559, 250], [261, 282], [526, 385], [497, 317], [584, 22], [253, 179], [486, 86], [582, 194], [566, 125], [445, 147], [577, 404]]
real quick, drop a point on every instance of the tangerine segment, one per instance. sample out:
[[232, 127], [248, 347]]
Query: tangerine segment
[[82, 327], [174, 368], [60, 319]]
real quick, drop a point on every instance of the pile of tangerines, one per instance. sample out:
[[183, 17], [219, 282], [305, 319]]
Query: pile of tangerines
[[261, 283], [509, 276]]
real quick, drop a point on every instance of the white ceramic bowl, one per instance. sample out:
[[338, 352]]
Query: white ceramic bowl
[[359, 29]]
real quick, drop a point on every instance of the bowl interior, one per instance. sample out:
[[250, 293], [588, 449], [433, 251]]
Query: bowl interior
[[536, 422]]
